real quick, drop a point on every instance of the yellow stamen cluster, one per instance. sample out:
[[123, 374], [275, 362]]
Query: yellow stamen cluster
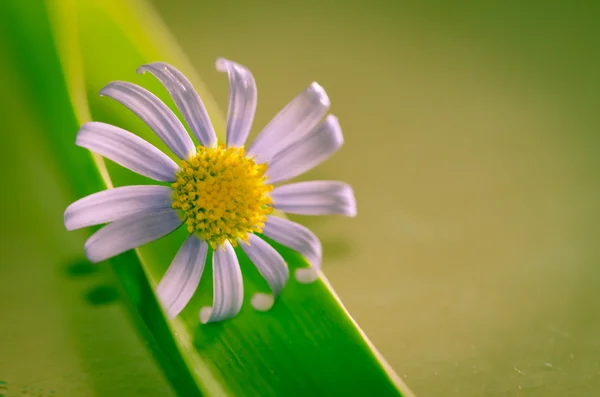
[[223, 195]]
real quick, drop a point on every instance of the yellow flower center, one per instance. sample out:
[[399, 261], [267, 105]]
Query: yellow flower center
[[223, 195]]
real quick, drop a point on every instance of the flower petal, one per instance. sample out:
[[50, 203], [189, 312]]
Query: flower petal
[[301, 240], [183, 276], [315, 198], [242, 101], [127, 150], [110, 205], [292, 123], [186, 98], [228, 287], [307, 153], [155, 113], [130, 232], [271, 266]]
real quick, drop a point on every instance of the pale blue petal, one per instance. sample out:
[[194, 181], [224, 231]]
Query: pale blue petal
[[130, 232], [228, 294], [181, 280], [301, 240], [315, 198], [187, 100], [242, 101], [307, 153], [271, 266], [155, 113], [127, 150], [113, 204], [292, 123]]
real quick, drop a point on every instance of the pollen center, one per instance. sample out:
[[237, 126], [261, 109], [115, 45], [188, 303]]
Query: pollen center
[[223, 195]]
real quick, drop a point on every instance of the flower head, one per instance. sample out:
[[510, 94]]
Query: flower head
[[223, 193]]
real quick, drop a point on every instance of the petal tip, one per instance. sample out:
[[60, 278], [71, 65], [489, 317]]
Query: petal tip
[[222, 65], [105, 91], [148, 67], [351, 202], [154, 67], [80, 136], [142, 69], [67, 218], [91, 253], [69, 226], [333, 124], [319, 93], [171, 314], [306, 275], [262, 302], [162, 295], [205, 314]]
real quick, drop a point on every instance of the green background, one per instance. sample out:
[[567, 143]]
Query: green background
[[472, 144]]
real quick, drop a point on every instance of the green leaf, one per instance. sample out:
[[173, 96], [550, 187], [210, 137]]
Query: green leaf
[[308, 344]]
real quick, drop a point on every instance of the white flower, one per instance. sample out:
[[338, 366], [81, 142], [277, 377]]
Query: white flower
[[223, 193]]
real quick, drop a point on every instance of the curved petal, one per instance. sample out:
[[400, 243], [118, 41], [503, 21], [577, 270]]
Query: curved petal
[[271, 266], [155, 113], [186, 98], [315, 198], [110, 205], [127, 150], [228, 287], [130, 232], [292, 123], [301, 240], [183, 276], [305, 154], [242, 101]]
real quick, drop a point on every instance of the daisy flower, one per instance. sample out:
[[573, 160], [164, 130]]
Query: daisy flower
[[223, 193]]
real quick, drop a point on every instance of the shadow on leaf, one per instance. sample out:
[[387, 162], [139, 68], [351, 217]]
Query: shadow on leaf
[[101, 295], [80, 268]]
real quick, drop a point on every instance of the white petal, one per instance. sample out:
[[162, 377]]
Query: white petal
[[292, 123], [271, 266], [301, 240], [301, 156], [127, 150], [186, 98], [315, 198], [130, 232], [183, 276], [242, 101], [155, 113], [228, 292], [110, 205]]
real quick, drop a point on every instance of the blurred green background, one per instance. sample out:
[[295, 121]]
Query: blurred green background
[[472, 143]]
